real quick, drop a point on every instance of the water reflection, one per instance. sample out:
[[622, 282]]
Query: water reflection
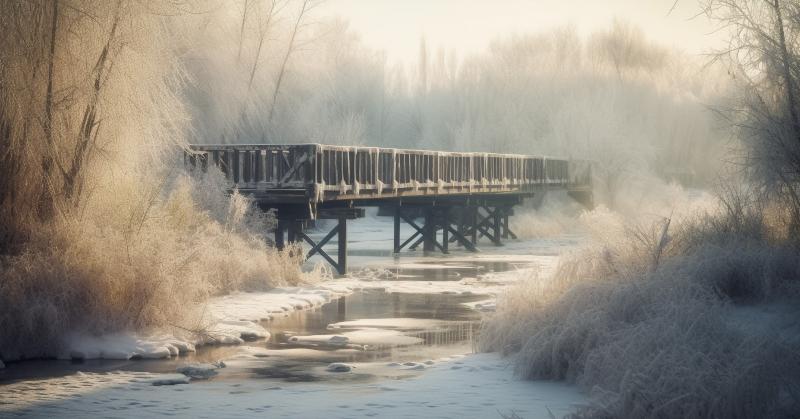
[[454, 334]]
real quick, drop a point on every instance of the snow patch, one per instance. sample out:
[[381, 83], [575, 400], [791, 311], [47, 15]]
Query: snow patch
[[234, 332], [124, 346]]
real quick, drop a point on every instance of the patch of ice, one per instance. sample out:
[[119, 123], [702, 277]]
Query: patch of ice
[[400, 323], [338, 367], [489, 305], [198, 371], [382, 337], [338, 340], [168, 380]]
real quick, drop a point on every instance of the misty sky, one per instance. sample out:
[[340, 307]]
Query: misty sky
[[469, 25]]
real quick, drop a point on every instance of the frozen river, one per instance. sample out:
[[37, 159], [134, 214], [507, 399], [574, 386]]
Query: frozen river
[[396, 339]]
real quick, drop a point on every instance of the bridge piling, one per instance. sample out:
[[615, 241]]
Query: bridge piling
[[341, 265], [396, 248], [429, 231]]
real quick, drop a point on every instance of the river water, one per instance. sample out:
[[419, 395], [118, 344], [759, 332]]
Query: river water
[[382, 328]]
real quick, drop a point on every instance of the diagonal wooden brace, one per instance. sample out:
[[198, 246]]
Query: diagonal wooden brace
[[461, 239], [297, 164], [317, 247]]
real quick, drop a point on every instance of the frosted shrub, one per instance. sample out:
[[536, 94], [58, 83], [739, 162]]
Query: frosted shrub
[[124, 268], [656, 339], [98, 231]]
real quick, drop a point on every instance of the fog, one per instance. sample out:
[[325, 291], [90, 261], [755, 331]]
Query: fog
[[609, 88], [679, 301], [468, 26]]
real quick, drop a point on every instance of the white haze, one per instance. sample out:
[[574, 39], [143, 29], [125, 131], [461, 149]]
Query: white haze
[[468, 26], [614, 90]]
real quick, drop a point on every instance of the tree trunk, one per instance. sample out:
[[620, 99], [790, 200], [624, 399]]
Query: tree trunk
[[289, 51], [241, 31], [45, 207], [89, 123], [787, 72]]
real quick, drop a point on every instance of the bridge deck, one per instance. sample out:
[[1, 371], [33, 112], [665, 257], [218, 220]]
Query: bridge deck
[[318, 174]]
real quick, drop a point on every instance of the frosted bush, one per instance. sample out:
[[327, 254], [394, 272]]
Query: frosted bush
[[123, 268], [655, 339]]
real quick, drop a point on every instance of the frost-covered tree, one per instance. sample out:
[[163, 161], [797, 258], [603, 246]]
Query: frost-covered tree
[[764, 58], [67, 106]]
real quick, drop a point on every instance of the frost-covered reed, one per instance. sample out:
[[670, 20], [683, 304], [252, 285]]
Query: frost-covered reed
[[662, 337], [100, 229]]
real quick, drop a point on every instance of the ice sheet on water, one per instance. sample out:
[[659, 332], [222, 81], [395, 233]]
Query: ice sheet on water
[[400, 323], [338, 367], [169, 380], [358, 339], [200, 371]]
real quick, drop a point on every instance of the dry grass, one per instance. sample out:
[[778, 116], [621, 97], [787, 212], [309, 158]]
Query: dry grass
[[651, 336], [130, 270], [99, 232]]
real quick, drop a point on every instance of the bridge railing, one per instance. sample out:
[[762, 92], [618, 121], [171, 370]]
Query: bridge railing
[[325, 172]]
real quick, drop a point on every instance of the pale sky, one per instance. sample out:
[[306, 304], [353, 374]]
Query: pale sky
[[468, 26]]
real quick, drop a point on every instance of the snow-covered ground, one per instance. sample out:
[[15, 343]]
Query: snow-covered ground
[[342, 382], [473, 386]]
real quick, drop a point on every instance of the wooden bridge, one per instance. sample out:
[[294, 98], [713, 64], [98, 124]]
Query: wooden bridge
[[463, 196]]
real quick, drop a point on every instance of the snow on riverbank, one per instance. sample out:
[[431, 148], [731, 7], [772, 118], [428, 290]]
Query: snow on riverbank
[[474, 386], [233, 319]]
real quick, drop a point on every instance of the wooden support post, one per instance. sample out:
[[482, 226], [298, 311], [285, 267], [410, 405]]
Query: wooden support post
[[295, 227], [342, 260], [279, 229], [445, 229], [505, 223], [341, 313], [496, 227], [418, 232], [462, 219], [397, 229], [473, 215], [429, 231]]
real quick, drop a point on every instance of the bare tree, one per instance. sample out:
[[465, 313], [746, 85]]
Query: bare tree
[[264, 27], [241, 29], [305, 8], [763, 56], [59, 84]]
